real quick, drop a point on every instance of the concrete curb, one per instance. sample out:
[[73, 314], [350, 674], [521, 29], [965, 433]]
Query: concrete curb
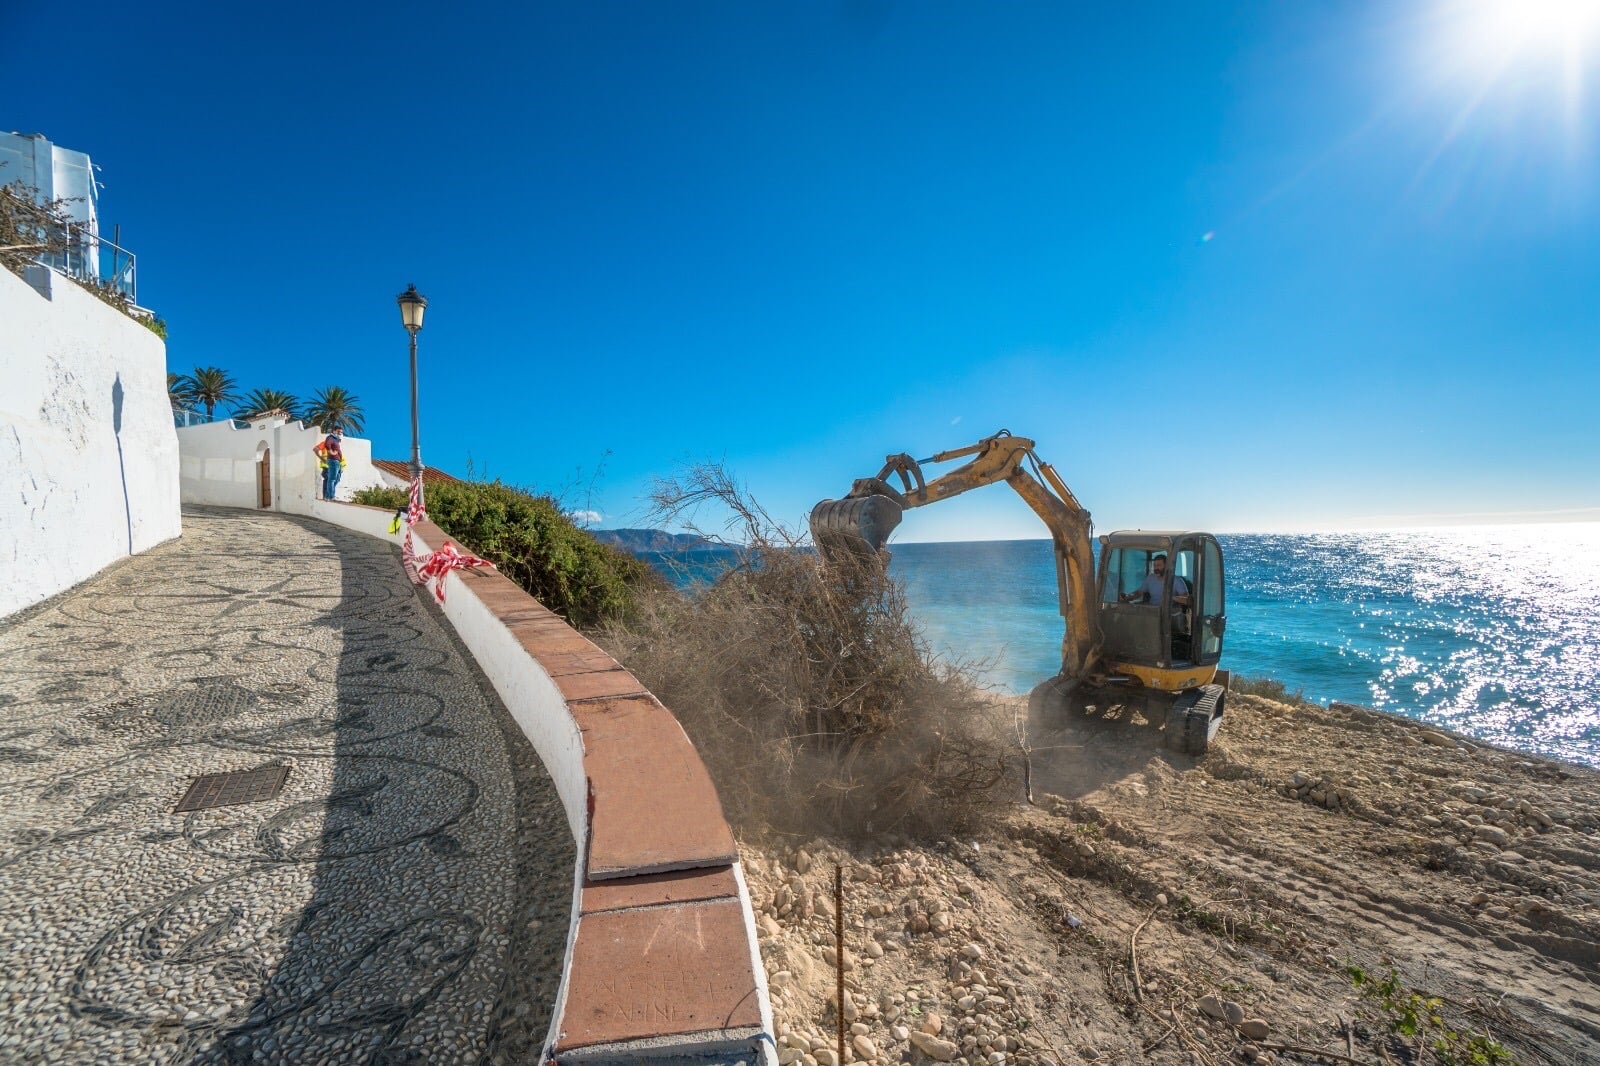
[[662, 960]]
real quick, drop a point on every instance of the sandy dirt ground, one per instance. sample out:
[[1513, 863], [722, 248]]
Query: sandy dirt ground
[[1154, 907]]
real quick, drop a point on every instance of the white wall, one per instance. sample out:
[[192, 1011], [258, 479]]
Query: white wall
[[88, 455], [392, 481], [220, 464]]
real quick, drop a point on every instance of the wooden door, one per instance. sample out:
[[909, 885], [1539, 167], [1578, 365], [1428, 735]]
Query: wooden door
[[264, 478]]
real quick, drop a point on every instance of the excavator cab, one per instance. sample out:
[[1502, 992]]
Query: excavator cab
[[1171, 642], [1174, 647]]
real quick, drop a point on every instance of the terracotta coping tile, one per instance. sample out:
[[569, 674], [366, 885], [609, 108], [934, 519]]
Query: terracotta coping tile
[[431, 533], [679, 886], [541, 638], [533, 624], [605, 684], [586, 661], [505, 600], [512, 617], [652, 805], [659, 972], [495, 589]]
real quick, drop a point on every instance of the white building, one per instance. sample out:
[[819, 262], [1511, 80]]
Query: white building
[[58, 173], [265, 462], [51, 173], [88, 457]]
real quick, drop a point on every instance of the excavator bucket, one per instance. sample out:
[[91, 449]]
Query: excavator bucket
[[858, 526]]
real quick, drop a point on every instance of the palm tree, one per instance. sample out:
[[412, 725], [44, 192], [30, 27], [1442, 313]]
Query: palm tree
[[333, 408], [261, 401], [211, 385], [178, 394]]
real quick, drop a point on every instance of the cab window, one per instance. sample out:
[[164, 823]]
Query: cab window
[[1125, 572], [1213, 590], [1182, 564]]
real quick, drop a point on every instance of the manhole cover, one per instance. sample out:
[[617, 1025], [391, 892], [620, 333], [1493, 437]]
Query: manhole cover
[[238, 786]]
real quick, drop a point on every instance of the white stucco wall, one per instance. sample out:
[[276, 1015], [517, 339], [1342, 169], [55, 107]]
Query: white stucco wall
[[88, 455], [392, 481], [220, 464]]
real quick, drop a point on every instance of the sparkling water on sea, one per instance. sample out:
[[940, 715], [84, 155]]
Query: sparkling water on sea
[[1494, 631]]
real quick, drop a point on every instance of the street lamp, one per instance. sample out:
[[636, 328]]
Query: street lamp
[[412, 304]]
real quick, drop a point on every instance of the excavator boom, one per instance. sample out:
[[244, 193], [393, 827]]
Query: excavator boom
[[862, 521]]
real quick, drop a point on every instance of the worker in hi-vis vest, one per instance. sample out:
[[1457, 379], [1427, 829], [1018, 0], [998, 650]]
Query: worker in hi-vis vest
[[330, 460]]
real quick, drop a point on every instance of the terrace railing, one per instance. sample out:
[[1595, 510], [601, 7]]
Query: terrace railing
[[92, 258]]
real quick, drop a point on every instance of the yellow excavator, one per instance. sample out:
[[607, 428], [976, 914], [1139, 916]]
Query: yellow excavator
[[1135, 632]]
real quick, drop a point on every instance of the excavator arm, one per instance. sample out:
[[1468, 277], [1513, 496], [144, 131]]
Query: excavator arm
[[863, 520]]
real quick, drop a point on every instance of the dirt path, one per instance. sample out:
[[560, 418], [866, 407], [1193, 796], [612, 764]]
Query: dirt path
[[1307, 842]]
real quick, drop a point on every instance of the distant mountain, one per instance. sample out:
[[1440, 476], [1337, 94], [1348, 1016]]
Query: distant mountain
[[638, 541]]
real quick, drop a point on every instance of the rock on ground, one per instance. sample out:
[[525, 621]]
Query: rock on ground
[[1268, 897]]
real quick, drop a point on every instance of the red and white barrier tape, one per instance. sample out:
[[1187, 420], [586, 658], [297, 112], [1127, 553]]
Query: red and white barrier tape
[[438, 564]]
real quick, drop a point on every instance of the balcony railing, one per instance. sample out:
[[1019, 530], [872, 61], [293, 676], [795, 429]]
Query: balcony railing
[[91, 258], [38, 233]]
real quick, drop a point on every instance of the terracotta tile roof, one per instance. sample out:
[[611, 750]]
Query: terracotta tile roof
[[402, 470]]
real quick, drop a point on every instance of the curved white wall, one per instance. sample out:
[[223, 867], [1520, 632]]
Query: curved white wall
[[88, 455], [220, 464]]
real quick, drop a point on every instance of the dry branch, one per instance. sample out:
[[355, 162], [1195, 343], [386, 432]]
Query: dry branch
[[806, 685]]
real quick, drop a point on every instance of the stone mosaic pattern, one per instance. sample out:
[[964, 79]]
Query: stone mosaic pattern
[[403, 899]]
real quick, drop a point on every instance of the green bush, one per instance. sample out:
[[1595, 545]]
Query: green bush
[[532, 542], [1419, 1019], [1269, 688]]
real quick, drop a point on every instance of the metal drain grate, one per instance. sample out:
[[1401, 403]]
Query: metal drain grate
[[237, 786]]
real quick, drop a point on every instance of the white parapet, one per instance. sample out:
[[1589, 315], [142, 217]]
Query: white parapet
[[88, 455]]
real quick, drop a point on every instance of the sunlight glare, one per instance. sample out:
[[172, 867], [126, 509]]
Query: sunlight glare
[[1518, 68], [1497, 32]]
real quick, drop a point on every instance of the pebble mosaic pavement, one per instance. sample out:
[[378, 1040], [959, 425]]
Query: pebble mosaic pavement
[[403, 899]]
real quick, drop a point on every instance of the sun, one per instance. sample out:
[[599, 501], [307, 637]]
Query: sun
[[1500, 32], [1523, 67], [1556, 22]]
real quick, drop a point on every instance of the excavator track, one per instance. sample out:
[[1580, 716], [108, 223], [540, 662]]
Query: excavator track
[[1195, 718]]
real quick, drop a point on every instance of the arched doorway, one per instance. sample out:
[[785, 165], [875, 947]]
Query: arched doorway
[[264, 479]]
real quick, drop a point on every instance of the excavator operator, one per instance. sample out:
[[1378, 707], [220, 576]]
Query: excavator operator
[[1154, 589], [1154, 592]]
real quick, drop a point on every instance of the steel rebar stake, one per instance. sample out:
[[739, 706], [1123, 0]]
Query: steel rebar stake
[[838, 949]]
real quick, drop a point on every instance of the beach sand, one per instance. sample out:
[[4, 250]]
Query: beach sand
[[1092, 925]]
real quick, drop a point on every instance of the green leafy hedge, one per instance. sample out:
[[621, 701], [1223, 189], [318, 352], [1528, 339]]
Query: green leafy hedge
[[532, 542]]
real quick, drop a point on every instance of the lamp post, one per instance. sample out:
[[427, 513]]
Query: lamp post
[[412, 304]]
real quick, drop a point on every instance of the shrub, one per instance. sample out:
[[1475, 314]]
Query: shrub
[[1418, 1020], [1268, 688], [532, 542], [807, 689]]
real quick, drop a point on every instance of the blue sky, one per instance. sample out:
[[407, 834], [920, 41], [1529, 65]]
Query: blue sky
[[1238, 267]]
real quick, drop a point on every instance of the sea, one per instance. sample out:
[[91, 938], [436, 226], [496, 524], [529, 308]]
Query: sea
[[1492, 630]]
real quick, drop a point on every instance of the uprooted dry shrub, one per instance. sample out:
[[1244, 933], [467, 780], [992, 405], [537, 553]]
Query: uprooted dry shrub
[[807, 688]]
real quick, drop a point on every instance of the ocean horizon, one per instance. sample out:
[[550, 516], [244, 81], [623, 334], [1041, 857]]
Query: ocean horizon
[[1492, 630]]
